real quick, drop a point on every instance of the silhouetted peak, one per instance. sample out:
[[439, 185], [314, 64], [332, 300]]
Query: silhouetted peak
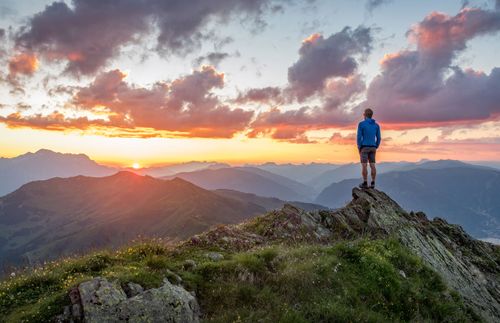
[[126, 174]]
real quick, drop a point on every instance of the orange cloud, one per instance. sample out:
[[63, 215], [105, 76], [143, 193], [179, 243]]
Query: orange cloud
[[185, 107], [312, 38], [339, 139], [23, 63]]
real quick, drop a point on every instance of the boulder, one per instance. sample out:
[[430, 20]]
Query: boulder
[[106, 301]]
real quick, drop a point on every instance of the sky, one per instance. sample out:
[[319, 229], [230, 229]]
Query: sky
[[155, 82]]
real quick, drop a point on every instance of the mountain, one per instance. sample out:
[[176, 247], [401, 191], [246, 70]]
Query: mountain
[[173, 169], [467, 195], [492, 164], [349, 171], [249, 180], [45, 164], [370, 261], [44, 219], [298, 172], [269, 203]]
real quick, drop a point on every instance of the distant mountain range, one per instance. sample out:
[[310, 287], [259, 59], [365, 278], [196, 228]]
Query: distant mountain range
[[45, 164], [173, 169], [327, 184], [298, 172], [349, 171], [250, 180], [59, 216], [455, 191]]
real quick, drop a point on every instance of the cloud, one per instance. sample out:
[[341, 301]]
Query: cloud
[[373, 4], [290, 125], [270, 94], [184, 107], [338, 139], [88, 33], [23, 63], [328, 69], [484, 148], [339, 91], [322, 58], [423, 141], [213, 58], [421, 87]]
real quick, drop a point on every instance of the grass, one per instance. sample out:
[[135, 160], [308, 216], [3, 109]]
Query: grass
[[362, 281]]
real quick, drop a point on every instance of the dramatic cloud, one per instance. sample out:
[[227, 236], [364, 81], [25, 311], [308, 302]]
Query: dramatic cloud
[[337, 92], [322, 58], [267, 95], [292, 124], [89, 33], [184, 107], [24, 63], [416, 88], [328, 68]]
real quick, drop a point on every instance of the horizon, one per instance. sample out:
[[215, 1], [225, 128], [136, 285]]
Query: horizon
[[250, 83], [142, 166]]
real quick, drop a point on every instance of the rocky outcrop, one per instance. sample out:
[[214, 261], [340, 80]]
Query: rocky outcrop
[[469, 266], [100, 300]]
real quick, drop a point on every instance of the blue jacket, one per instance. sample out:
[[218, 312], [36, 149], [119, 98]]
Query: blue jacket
[[368, 134]]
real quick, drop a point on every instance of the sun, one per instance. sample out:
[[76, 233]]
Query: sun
[[136, 166]]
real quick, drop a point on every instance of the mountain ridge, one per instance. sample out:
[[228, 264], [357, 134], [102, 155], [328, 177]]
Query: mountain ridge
[[47, 218], [401, 265], [472, 267]]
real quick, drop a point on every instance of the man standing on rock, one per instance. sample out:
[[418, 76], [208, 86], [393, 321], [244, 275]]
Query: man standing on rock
[[368, 139]]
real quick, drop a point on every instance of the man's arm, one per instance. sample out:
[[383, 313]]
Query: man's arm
[[379, 137], [359, 136]]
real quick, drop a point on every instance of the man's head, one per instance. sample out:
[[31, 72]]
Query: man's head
[[368, 113]]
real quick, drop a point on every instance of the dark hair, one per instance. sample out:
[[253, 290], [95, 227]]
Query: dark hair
[[368, 113]]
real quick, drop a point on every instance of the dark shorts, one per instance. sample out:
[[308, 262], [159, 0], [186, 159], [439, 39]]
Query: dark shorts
[[367, 154]]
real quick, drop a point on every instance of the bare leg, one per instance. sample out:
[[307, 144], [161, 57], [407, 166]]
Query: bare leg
[[373, 171], [364, 171]]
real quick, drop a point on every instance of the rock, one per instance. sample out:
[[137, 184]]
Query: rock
[[468, 266], [76, 311], [189, 265], [215, 256], [132, 289], [99, 299], [173, 277], [74, 295], [105, 301]]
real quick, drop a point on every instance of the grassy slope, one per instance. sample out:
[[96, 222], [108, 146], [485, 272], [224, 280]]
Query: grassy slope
[[348, 281]]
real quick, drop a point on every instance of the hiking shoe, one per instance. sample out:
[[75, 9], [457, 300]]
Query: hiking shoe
[[372, 184], [363, 185]]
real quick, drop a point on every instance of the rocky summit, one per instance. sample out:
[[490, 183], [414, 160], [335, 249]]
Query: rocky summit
[[469, 266], [368, 261]]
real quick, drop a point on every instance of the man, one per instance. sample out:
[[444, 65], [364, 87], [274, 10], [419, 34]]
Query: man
[[368, 139]]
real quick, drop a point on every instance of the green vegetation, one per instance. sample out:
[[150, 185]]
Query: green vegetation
[[363, 280]]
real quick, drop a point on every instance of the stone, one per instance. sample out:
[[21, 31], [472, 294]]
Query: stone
[[215, 256], [189, 265], [133, 289], [105, 301], [173, 277]]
